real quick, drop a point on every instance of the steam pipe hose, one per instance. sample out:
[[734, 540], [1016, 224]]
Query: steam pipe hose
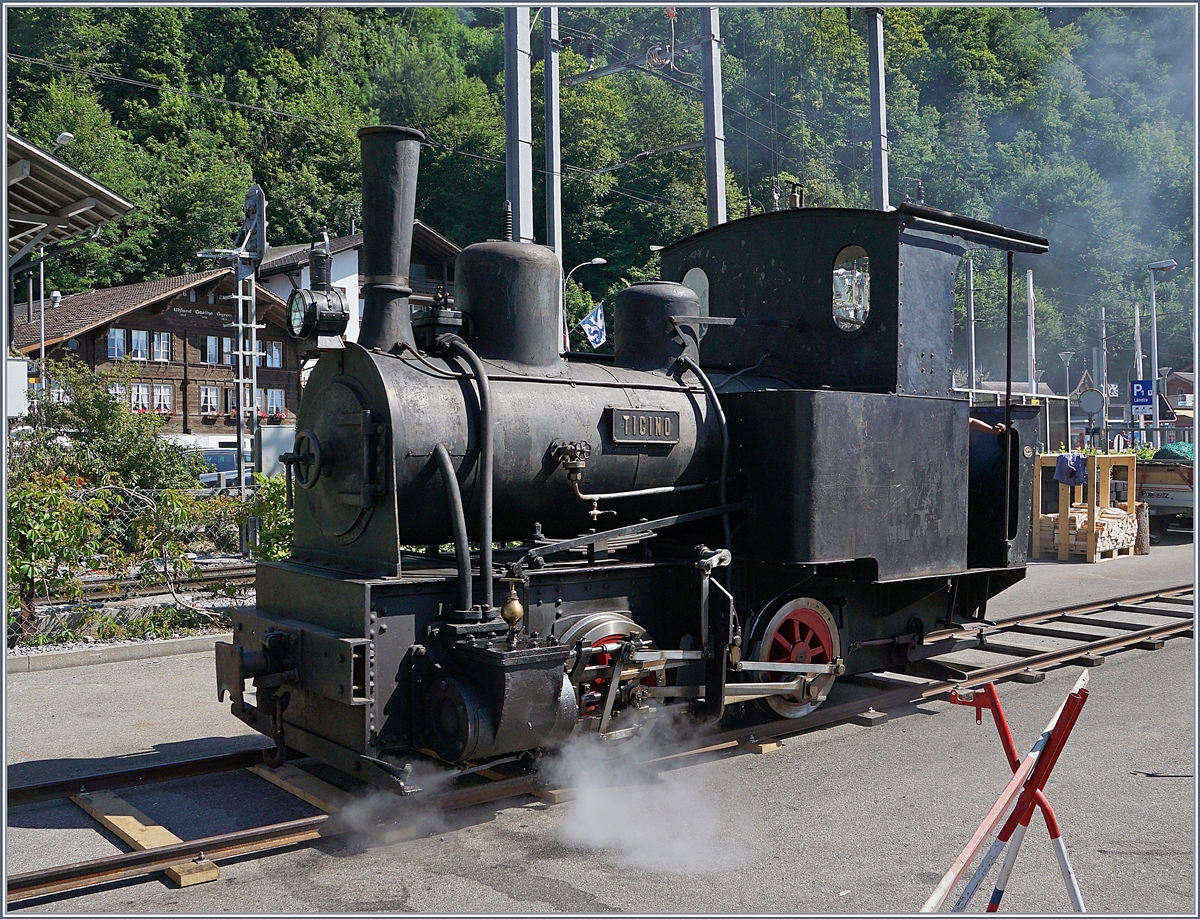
[[694, 367], [459, 348], [462, 548]]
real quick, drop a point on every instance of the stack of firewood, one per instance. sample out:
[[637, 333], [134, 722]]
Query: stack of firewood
[[1116, 528]]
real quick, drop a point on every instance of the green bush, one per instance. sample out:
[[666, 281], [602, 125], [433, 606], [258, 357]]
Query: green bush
[[93, 435], [275, 518], [52, 536]]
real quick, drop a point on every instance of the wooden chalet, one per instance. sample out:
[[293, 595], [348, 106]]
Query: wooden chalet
[[178, 332]]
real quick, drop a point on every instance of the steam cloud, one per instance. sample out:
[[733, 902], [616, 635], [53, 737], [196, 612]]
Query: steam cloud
[[382, 818], [676, 822]]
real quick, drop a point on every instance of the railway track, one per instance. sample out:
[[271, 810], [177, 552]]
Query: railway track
[[97, 588], [1170, 613]]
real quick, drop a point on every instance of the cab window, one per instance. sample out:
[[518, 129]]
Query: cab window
[[851, 288]]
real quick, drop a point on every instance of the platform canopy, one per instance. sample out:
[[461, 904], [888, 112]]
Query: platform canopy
[[50, 203]]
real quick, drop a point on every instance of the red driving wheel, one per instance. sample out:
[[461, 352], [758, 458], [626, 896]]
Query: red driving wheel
[[801, 631], [803, 637]]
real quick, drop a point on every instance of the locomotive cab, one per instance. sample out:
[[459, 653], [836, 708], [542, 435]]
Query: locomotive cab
[[496, 548], [852, 312]]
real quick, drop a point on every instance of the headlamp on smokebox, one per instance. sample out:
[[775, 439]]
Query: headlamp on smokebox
[[318, 318]]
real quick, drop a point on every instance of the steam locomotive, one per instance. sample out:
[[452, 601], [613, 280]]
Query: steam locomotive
[[769, 483]]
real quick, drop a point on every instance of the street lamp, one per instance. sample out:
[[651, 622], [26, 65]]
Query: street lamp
[[1065, 357], [1167, 264], [55, 299], [563, 306], [62, 140]]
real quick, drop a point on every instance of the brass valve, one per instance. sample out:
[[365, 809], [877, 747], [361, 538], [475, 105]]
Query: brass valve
[[512, 612], [573, 457]]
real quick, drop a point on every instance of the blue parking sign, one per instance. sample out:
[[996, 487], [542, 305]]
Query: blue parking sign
[[1141, 397]]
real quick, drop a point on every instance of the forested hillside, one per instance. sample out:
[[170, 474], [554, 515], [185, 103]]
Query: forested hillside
[[1072, 123]]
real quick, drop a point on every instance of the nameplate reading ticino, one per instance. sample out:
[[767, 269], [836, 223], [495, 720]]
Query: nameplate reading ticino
[[639, 426]]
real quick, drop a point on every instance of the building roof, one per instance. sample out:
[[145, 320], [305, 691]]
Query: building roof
[[49, 202], [282, 259], [80, 313], [1085, 382]]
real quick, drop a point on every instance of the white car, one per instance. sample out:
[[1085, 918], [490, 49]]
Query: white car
[[223, 468]]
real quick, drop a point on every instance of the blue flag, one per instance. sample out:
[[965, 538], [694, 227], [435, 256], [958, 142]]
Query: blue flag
[[593, 326]]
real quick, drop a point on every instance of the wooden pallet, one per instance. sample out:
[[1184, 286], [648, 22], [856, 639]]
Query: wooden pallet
[[1097, 495]]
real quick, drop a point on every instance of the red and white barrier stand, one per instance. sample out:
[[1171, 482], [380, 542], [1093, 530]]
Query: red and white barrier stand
[[1027, 784]]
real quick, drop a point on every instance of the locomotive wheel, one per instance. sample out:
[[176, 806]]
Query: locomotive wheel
[[802, 631]]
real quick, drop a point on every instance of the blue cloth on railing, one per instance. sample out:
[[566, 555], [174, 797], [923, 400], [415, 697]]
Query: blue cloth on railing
[[1071, 469]]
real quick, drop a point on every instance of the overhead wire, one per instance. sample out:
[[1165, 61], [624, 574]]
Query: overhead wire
[[773, 107], [97, 74], [1145, 109]]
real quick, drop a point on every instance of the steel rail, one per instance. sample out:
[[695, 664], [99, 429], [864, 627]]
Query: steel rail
[[276, 836], [128, 778], [148, 861], [969, 629], [79, 875], [917, 692]]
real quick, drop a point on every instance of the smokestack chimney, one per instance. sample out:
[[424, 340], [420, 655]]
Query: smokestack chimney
[[389, 190]]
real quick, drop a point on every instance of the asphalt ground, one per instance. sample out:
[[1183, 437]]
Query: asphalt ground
[[847, 819]]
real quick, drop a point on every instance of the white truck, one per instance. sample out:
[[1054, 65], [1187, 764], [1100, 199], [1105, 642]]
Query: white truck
[[1166, 485]]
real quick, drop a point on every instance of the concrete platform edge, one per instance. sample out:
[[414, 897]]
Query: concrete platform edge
[[54, 660]]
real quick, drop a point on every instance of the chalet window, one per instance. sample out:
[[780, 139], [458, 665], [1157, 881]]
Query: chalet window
[[274, 401], [116, 344], [274, 354], [231, 400], [258, 353], [210, 400], [139, 397], [140, 348], [212, 349], [260, 396], [118, 391], [162, 346], [212, 296], [192, 295], [164, 394], [227, 351], [58, 394]]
